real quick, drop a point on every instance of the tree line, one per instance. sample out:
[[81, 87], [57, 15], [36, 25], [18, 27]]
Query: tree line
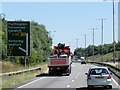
[[100, 49], [40, 44]]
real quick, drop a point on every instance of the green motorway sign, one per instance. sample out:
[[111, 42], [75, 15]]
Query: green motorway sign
[[18, 38]]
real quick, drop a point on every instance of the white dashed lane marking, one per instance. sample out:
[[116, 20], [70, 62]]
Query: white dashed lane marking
[[68, 86], [73, 80]]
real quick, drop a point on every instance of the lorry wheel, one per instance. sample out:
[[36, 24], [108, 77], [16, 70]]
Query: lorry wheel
[[68, 71], [50, 74]]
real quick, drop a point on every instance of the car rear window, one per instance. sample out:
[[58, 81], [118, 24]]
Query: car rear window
[[82, 59], [98, 71]]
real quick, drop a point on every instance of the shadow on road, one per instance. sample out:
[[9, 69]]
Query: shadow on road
[[47, 75], [42, 75], [95, 88]]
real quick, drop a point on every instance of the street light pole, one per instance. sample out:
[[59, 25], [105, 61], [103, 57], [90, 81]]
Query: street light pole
[[102, 27], [93, 41], [85, 40], [113, 30], [85, 45], [102, 39], [113, 34], [93, 44]]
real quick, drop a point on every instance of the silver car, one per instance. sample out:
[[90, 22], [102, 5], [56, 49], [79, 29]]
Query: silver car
[[99, 76]]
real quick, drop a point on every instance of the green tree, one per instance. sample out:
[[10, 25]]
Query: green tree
[[40, 44]]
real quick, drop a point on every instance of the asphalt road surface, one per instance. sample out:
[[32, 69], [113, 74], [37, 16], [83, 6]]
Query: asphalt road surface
[[77, 79]]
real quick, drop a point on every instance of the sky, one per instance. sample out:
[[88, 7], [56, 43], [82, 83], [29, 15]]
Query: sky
[[119, 22], [67, 21], [52, 0]]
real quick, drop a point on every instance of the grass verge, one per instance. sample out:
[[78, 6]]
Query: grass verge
[[107, 57], [7, 66], [12, 81]]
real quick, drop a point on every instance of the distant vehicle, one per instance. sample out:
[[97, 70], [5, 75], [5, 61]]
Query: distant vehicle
[[82, 58], [83, 61], [60, 62], [99, 76], [76, 60], [79, 60], [73, 60]]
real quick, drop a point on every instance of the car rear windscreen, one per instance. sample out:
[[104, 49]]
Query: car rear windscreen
[[98, 71]]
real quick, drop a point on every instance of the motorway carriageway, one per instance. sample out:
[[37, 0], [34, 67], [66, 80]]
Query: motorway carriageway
[[77, 79]]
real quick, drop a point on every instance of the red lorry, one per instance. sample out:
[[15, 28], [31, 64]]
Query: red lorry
[[60, 62]]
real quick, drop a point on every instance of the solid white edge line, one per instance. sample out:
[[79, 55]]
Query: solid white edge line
[[30, 82], [115, 82]]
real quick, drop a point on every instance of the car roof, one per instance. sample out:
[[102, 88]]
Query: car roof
[[97, 67]]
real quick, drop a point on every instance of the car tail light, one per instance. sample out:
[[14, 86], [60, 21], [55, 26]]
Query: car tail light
[[109, 77]]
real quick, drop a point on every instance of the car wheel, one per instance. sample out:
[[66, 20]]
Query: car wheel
[[68, 71], [110, 87], [89, 86]]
